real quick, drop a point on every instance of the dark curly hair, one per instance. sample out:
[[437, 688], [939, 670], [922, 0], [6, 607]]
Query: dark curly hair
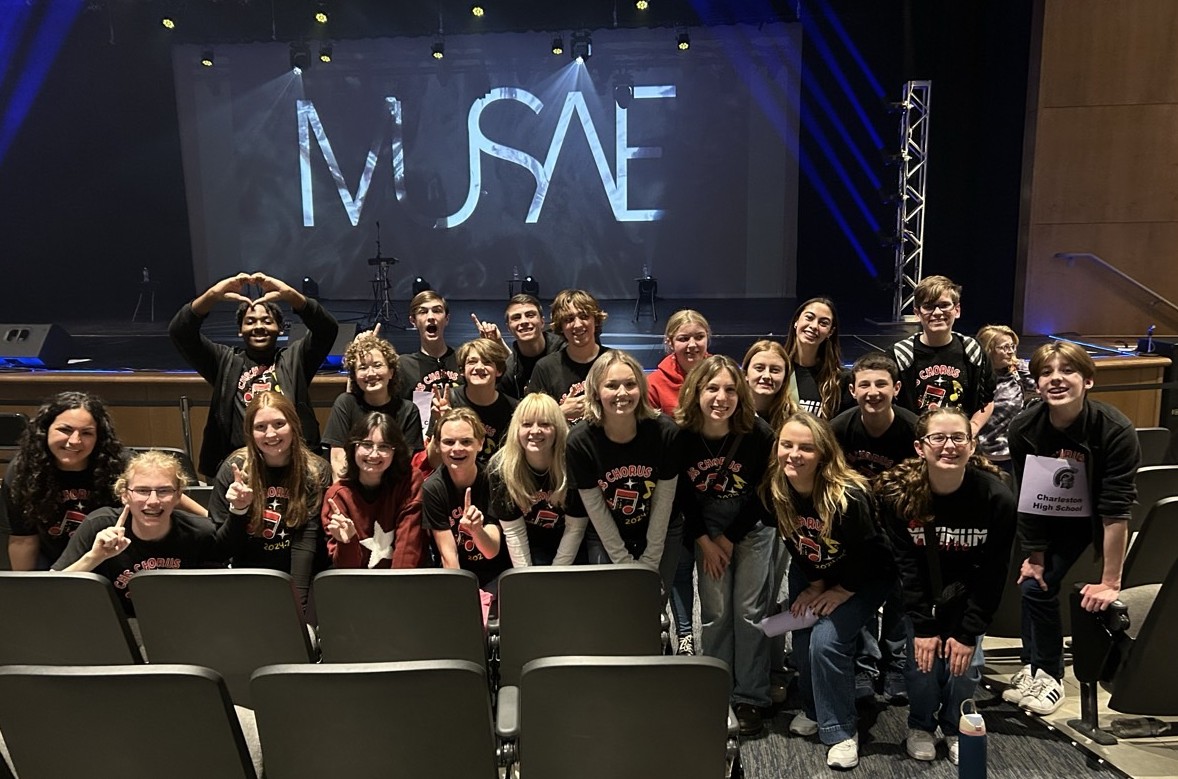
[[391, 433], [33, 476]]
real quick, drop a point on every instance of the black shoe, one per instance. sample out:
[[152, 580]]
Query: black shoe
[[748, 717], [864, 686]]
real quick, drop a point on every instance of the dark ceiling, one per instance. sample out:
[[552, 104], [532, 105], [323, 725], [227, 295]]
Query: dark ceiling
[[231, 21]]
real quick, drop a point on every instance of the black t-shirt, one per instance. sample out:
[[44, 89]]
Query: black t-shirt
[[192, 542], [809, 395], [76, 497], [494, 417], [255, 377], [731, 506], [872, 456], [560, 376], [939, 375], [855, 552], [544, 521], [442, 504], [419, 372], [520, 366], [625, 473], [348, 409]]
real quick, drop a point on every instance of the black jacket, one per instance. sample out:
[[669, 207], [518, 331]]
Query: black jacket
[[221, 365], [1112, 455]]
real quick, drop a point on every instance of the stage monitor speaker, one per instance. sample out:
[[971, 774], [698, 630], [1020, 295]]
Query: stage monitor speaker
[[335, 358], [35, 346]]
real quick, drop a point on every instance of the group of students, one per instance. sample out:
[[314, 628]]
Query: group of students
[[863, 490]]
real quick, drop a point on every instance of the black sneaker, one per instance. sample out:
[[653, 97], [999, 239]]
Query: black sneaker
[[748, 717], [686, 645]]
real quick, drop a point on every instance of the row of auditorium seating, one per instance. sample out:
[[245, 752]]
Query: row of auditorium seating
[[575, 718]]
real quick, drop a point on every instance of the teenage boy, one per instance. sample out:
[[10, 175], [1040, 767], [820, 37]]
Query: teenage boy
[[525, 320], [939, 367], [1074, 461], [236, 373], [483, 362], [434, 364], [578, 317], [874, 437]]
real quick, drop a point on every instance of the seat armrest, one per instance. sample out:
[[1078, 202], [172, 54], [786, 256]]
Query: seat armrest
[[507, 712]]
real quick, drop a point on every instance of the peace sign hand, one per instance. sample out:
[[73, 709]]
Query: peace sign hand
[[240, 495]]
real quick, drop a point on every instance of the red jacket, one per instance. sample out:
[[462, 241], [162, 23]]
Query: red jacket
[[397, 510]]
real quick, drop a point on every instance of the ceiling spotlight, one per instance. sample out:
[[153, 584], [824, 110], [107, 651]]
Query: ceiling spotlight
[[321, 13], [477, 10], [684, 41], [438, 49], [642, 5], [206, 58], [582, 48], [168, 22], [558, 45], [300, 56], [325, 52]]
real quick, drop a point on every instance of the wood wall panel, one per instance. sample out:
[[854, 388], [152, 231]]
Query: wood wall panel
[[1109, 52]]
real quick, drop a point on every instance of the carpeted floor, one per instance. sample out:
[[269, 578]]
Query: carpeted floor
[[1018, 747]]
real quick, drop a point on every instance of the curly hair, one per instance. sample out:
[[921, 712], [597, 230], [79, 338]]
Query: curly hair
[[596, 377], [510, 464], [905, 487], [391, 432], [33, 476], [830, 361], [359, 349], [690, 416], [832, 482], [783, 405], [303, 477]]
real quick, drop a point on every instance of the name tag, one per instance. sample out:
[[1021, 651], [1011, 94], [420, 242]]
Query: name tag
[[1054, 487]]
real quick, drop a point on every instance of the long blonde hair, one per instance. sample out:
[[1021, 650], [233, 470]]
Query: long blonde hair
[[782, 405], [905, 488], [510, 463], [833, 482]]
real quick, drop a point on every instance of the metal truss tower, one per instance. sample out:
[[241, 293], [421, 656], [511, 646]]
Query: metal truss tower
[[913, 172]]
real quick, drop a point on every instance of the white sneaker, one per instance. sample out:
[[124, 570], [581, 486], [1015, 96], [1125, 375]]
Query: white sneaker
[[801, 725], [921, 744], [1020, 686], [844, 754], [951, 742], [1045, 695]]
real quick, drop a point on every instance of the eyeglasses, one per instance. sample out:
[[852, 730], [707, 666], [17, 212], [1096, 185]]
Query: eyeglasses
[[1006, 348], [940, 305], [940, 439], [163, 493], [384, 450]]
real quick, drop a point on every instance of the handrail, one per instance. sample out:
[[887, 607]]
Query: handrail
[[1071, 257]]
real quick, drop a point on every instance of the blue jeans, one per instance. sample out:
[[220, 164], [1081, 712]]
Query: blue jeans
[[596, 555], [935, 697], [888, 653], [730, 608], [825, 657], [1042, 626], [683, 589], [779, 646]]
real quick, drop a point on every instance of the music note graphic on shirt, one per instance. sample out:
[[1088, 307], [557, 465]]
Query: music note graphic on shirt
[[626, 500], [270, 522], [69, 523]]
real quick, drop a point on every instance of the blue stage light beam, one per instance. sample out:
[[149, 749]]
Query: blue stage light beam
[[832, 19]]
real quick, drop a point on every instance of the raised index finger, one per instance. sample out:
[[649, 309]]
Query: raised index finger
[[334, 508], [122, 521], [376, 329], [467, 506]]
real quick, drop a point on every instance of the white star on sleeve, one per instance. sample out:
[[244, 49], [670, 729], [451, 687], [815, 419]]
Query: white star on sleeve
[[380, 546]]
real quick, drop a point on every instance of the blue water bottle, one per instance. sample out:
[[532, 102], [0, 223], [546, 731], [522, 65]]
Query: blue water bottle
[[971, 743]]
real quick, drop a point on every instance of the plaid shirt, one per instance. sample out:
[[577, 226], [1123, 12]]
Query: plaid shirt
[[1009, 393]]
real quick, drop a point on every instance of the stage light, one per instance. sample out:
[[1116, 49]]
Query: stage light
[[438, 49], [642, 5], [558, 45], [206, 58], [624, 91], [684, 41], [325, 52], [300, 56], [321, 13], [420, 285], [529, 286], [168, 22], [477, 10], [310, 287], [582, 48]]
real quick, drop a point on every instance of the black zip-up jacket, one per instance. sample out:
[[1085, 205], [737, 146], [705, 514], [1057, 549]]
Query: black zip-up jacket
[[1112, 455]]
